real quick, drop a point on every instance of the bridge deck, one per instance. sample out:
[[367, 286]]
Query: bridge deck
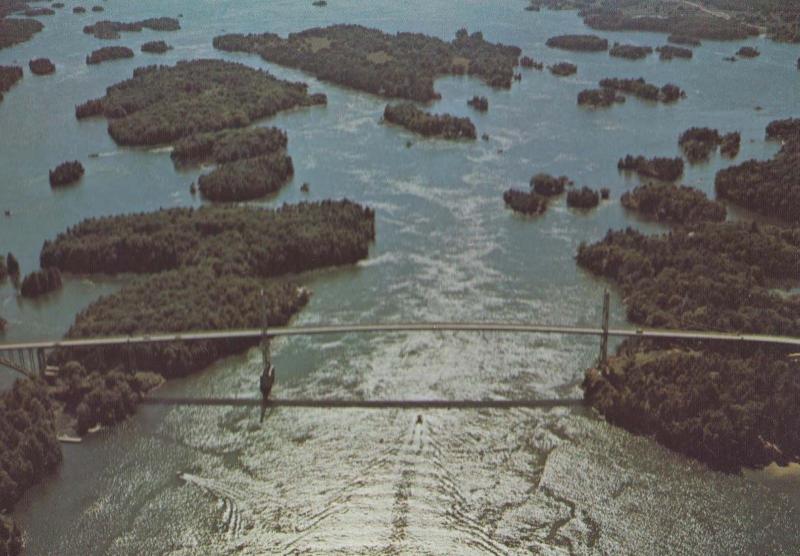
[[254, 333]]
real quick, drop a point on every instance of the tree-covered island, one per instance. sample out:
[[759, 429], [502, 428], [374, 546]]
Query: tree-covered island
[[403, 65], [445, 126]]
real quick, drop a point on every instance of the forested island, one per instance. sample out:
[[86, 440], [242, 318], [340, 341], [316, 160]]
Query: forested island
[[247, 178], [644, 90], [42, 66], [583, 198], [525, 202], [673, 204], [79, 10], [404, 65], [529, 63], [581, 43], [107, 53], [563, 69], [748, 52], [480, 104], [111, 29], [698, 143], [162, 104], [630, 51], [769, 187], [205, 269], [445, 126], [66, 173], [727, 405], [40, 282], [36, 12], [660, 168], [16, 30], [228, 145], [599, 98], [9, 75], [668, 52], [156, 47], [549, 186]]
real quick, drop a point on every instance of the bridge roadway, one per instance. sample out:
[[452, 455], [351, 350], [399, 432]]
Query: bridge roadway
[[310, 330]]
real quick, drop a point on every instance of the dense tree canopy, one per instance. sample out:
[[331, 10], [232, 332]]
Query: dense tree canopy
[[229, 145], [673, 204], [660, 168], [404, 65], [668, 52], [526, 202], [583, 198], [9, 75], [40, 282], [630, 51], [642, 89], [42, 66], [161, 104], [16, 30], [247, 178], [430, 125], [156, 47], [66, 173], [698, 143], [585, 43], [108, 53], [111, 29]]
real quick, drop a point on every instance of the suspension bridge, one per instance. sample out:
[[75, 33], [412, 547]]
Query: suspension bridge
[[30, 358]]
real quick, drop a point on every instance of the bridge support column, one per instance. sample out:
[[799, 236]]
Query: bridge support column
[[604, 338]]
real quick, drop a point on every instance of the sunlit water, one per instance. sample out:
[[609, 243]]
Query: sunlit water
[[200, 480]]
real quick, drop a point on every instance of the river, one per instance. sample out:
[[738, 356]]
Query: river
[[551, 481]]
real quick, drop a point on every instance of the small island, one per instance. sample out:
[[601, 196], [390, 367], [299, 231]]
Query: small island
[[481, 104], [66, 173], [748, 52], [581, 43], [698, 143], [79, 10], [58, 5], [684, 39], [402, 65], [549, 186], [529, 63], [630, 51], [668, 52], [42, 66], [107, 53], [41, 282], [98, 9], [663, 169], [445, 126], [644, 90], [156, 47], [319, 3], [563, 69], [111, 29], [672, 204], [36, 12], [525, 202], [599, 98], [9, 75], [247, 178], [583, 198]]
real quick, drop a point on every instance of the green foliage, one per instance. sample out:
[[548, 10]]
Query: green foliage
[[430, 125], [156, 47], [42, 66], [630, 51], [664, 169], [15, 30], [109, 53], [563, 69], [111, 29], [642, 89], [66, 173], [479, 103], [770, 187], [673, 204], [207, 268], [161, 104], [228, 146], [726, 411], [696, 24], [27, 434], [526, 202], [549, 186], [582, 43], [668, 52], [247, 179], [404, 65], [583, 198], [599, 98], [9, 75], [40, 282]]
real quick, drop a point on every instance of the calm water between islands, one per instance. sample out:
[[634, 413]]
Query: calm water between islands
[[210, 480]]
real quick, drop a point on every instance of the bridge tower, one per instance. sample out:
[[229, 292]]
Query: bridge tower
[[604, 338]]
